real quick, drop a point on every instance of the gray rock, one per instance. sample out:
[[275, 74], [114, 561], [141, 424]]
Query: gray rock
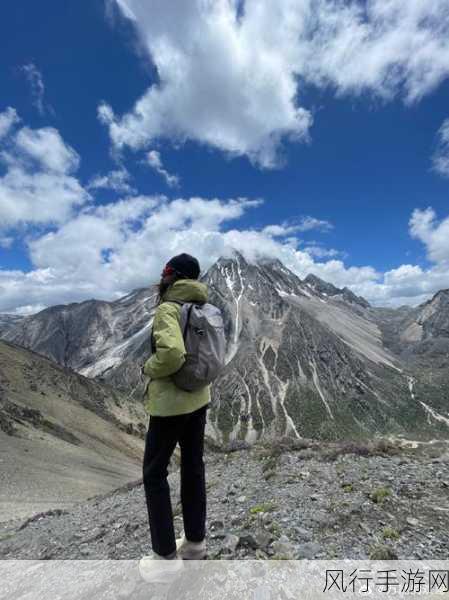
[[308, 550], [230, 542], [248, 540], [262, 537], [303, 534], [283, 549], [321, 517]]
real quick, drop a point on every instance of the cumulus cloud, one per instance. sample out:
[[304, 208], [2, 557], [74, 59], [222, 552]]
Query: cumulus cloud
[[110, 249], [155, 162], [107, 250], [229, 79], [38, 185], [220, 82], [47, 148], [441, 157], [117, 180], [425, 227], [36, 82]]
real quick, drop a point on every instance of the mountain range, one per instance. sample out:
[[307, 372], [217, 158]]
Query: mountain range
[[304, 358]]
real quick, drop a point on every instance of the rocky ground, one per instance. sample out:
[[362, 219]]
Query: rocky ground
[[308, 500]]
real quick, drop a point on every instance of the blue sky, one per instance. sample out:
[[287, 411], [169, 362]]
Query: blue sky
[[241, 127]]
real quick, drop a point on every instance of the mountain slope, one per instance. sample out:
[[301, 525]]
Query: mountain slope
[[327, 289], [304, 358], [297, 369], [91, 337], [306, 500], [62, 437], [426, 330], [8, 322]]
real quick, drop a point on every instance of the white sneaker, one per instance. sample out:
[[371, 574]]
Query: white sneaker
[[157, 569], [191, 550]]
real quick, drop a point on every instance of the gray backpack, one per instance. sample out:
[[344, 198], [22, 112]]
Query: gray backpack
[[204, 339]]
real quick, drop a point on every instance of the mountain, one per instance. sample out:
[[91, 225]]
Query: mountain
[[327, 289], [8, 322], [304, 358], [427, 328], [303, 364], [63, 437], [95, 338]]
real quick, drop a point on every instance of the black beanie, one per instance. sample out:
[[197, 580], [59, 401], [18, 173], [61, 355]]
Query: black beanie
[[185, 265]]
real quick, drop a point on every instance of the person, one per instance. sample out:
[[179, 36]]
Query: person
[[176, 416]]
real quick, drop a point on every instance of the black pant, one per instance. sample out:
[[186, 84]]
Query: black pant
[[162, 436]]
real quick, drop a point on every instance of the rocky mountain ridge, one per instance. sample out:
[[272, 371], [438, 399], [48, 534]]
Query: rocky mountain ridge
[[303, 357], [327, 289], [8, 322]]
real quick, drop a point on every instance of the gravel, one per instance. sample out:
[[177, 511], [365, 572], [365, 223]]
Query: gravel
[[395, 506]]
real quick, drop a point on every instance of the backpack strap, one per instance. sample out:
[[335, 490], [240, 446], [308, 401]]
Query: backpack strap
[[181, 304], [187, 321], [152, 340]]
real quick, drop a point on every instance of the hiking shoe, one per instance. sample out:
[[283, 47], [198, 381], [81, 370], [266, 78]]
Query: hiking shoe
[[191, 550], [159, 569]]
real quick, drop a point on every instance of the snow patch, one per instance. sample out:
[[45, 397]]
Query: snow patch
[[433, 413], [316, 382]]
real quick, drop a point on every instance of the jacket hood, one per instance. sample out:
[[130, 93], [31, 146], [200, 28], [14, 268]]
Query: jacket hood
[[187, 290]]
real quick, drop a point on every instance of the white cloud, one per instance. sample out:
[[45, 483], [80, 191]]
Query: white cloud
[[231, 81], [36, 82], [219, 83], [435, 235], [38, 186], [155, 162], [48, 149], [38, 197], [388, 47], [320, 252], [440, 159], [8, 119], [116, 180], [310, 223], [290, 227], [29, 309], [107, 250]]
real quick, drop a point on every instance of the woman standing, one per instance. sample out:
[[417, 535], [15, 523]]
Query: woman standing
[[176, 416]]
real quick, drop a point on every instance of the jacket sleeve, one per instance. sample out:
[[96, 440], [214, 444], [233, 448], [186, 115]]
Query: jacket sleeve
[[170, 349]]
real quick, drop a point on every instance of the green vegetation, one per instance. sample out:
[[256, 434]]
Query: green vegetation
[[380, 494], [382, 552], [389, 533], [262, 508]]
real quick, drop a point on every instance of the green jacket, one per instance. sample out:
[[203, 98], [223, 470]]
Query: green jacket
[[163, 397]]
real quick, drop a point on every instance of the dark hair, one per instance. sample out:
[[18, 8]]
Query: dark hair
[[182, 266], [185, 265], [164, 284]]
